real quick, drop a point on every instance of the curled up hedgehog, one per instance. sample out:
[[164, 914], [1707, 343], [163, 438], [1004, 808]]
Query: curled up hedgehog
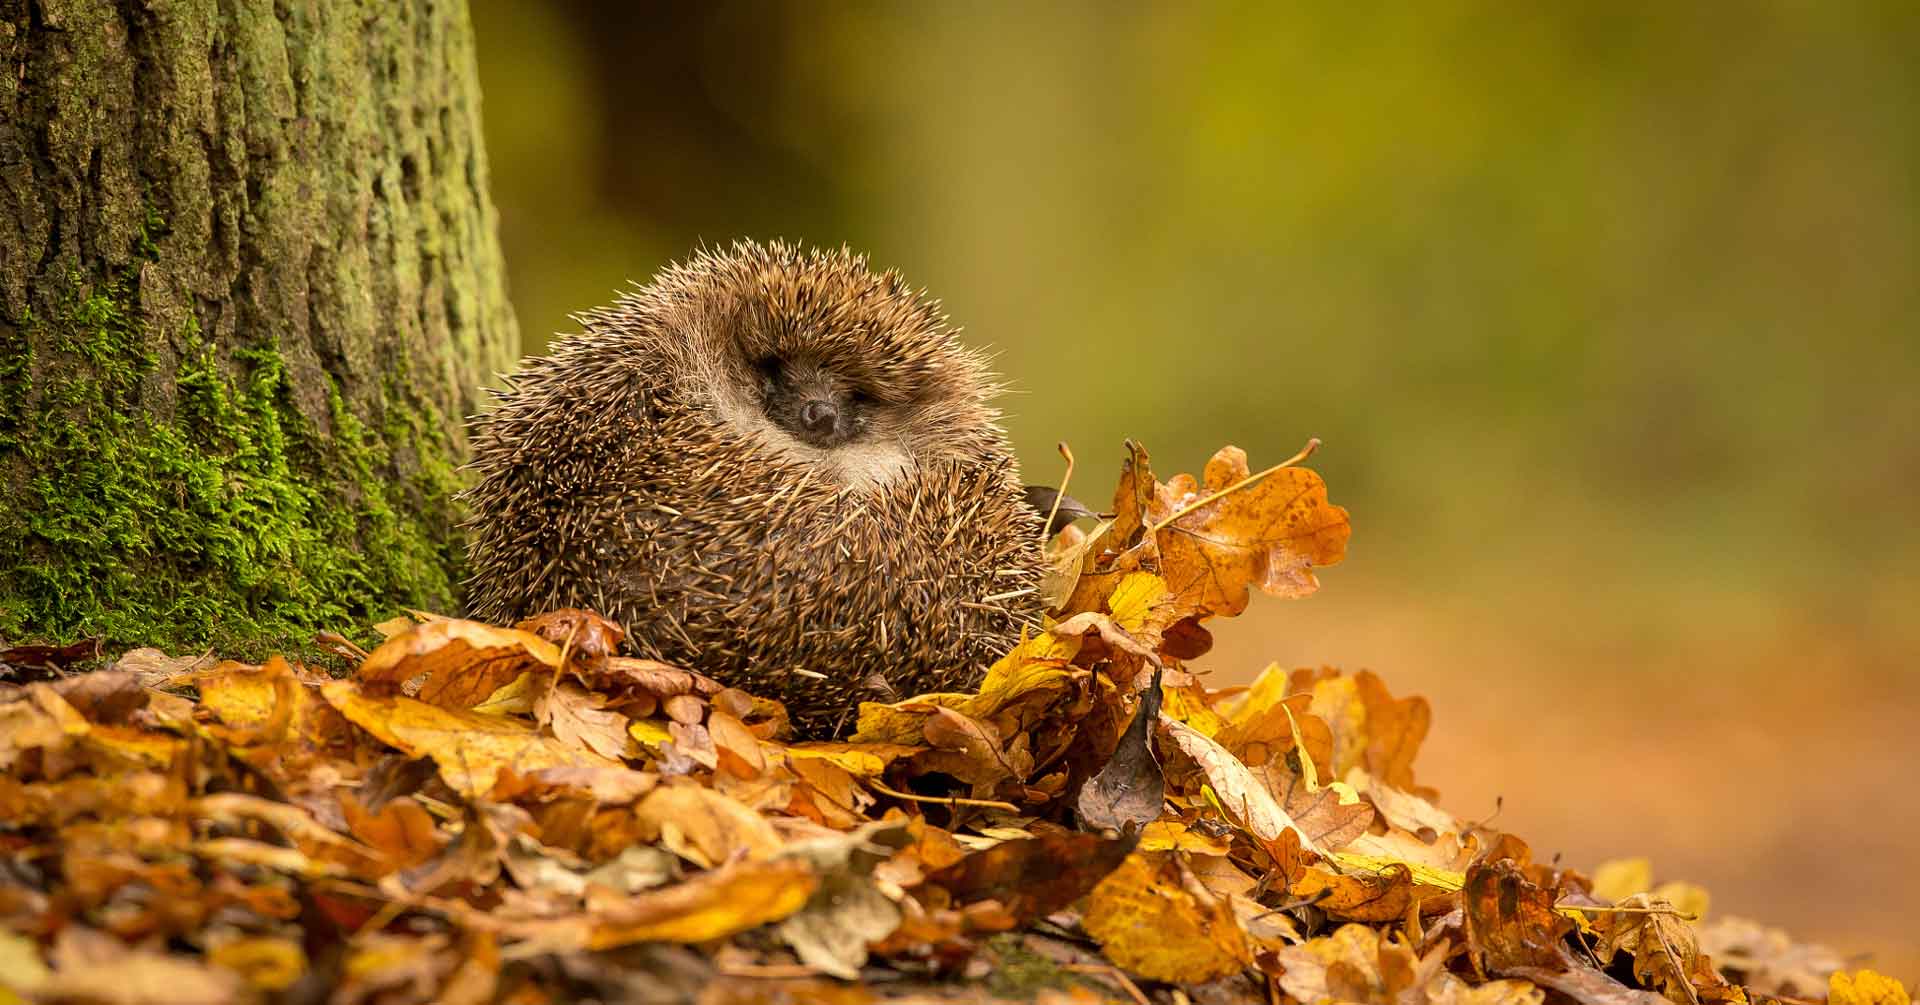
[[772, 465]]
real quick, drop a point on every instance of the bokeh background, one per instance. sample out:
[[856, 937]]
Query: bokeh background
[[1608, 315]]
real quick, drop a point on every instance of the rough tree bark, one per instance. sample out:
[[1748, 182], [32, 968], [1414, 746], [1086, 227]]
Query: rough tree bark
[[249, 288]]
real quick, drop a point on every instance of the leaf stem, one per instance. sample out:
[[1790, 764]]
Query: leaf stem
[[1046, 529], [1653, 909], [992, 804]]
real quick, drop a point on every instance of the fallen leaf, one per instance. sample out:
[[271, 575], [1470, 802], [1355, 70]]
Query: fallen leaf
[[588, 638], [462, 662], [21, 970], [1865, 987], [1270, 534], [1034, 876], [1768, 960], [1128, 792], [265, 963], [1358, 964], [1617, 879], [1149, 922], [41, 720], [848, 911], [1242, 795], [1665, 955], [1510, 919], [710, 905], [470, 748], [1068, 554], [704, 827], [50, 657], [1379, 895], [91, 966], [575, 718], [402, 830]]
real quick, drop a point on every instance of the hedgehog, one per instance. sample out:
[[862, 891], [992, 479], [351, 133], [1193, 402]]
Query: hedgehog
[[774, 465]]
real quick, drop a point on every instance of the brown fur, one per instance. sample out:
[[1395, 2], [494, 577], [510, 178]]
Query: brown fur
[[634, 470]]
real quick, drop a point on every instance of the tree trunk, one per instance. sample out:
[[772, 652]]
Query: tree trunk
[[249, 289]]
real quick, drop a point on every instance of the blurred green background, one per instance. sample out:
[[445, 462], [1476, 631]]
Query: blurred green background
[[1608, 315]]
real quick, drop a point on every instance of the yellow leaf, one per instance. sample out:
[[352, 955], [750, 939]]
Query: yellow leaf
[[1066, 559], [242, 695], [1355, 964], [1617, 879], [1425, 875], [1028, 681], [1688, 898], [1865, 987], [470, 748], [1148, 923], [1241, 796], [1266, 691], [265, 963], [705, 827], [153, 750], [44, 720], [393, 626], [21, 970], [1337, 700], [514, 697], [863, 760], [1133, 600], [1028, 678], [649, 733], [571, 712], [1187, 705], [1171, 835], [709, 906], [1043, 648]]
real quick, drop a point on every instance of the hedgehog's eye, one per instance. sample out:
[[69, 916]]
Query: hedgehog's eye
[[768, 368]]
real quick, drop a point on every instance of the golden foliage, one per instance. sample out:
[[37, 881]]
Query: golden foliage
[[484, 813]]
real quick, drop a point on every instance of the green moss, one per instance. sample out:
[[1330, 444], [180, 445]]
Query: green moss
[[1022, 972], [229, 524]]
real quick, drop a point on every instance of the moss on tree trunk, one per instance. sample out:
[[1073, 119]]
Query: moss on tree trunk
[[249, 287]]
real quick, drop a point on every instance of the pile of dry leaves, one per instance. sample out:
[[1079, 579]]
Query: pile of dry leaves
[[491, 814]]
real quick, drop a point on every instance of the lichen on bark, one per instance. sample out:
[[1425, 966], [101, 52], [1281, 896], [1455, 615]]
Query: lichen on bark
[[249, 285]]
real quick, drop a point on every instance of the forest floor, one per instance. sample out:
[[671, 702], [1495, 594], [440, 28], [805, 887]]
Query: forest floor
[[1771, 764]]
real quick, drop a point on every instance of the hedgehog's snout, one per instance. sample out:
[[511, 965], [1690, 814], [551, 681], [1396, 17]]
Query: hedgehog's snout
[[820, 418], [812, 404]]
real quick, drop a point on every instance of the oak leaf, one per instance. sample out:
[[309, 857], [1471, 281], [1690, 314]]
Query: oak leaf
[[575, 717], [1215, 543], [1666, 956], [1358, 964]]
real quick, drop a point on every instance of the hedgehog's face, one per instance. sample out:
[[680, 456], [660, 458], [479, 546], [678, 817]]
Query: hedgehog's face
[[863, 419], [826, 363], [816, 405]]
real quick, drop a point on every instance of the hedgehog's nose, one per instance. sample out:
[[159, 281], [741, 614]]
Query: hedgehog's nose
[[819, 417]]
